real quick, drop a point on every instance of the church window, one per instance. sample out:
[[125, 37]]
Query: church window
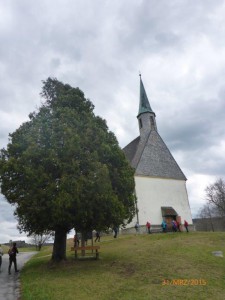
[[140, 123], [152, 122]]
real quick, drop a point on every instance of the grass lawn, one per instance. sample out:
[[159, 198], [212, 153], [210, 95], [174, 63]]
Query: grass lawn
[[25, 249], [133, 267]]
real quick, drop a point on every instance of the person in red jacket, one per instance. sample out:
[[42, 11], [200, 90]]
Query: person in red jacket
[[186, 225], [148, 226]]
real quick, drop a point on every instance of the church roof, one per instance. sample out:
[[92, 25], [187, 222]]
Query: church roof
[[131, 149], [144, 105], [151, 157], [148, 154]]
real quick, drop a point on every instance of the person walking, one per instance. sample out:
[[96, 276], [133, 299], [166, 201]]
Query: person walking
[[115, 229], [186, 225], [137, 227], [1, 254], [148, 226], [76, 240], [12, 258], [97, 236]]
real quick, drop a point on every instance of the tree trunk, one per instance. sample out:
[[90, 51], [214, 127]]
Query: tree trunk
[[83, 241], [59, 247]]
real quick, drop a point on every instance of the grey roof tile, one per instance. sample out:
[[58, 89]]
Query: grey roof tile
[[151, 157], [131, 149]]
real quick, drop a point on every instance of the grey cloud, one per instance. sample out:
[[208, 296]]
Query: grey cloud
[[6, 211]]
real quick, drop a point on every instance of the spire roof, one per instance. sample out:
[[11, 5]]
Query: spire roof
[[144, 105]]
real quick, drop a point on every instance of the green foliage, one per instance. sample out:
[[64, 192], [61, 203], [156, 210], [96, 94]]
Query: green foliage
[[64, 168]]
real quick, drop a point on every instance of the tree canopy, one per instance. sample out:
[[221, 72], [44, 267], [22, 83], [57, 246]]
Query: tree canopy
[[64, 169]]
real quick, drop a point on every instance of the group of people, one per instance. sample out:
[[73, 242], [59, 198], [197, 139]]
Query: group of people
[[77, 238], [12, 257], [148, 227], [176, 226]]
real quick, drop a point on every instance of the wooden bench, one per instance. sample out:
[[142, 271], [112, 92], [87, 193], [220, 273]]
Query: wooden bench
[[87, 248]]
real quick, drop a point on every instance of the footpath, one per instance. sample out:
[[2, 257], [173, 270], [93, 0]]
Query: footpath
[[10, 284]]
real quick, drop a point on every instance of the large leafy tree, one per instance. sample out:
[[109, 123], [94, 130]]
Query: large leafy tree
[[64, 169]]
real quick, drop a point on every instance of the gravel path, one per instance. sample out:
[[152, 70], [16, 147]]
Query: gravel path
[[10, 284]]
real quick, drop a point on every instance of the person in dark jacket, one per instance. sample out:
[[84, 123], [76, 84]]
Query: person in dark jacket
[[1, 254], [97, 236], [12, 258], [76, 240], [115, 229]]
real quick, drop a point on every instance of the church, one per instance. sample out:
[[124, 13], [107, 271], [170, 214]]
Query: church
[[160, 184]]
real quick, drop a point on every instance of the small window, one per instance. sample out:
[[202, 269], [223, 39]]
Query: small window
[[140, 123], [152, 122]]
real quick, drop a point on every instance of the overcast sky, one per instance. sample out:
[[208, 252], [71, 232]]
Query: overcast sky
[[100, 47]]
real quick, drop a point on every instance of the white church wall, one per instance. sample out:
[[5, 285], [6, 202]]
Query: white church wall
[[152, 193]]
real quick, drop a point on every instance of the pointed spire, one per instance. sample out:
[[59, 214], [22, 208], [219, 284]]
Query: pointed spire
[[144, 105]]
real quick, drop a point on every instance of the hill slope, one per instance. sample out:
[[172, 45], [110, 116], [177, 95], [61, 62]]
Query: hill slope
[[133, 267]]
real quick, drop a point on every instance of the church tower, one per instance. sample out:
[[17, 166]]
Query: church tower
[[146, 116], [159, 182]]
